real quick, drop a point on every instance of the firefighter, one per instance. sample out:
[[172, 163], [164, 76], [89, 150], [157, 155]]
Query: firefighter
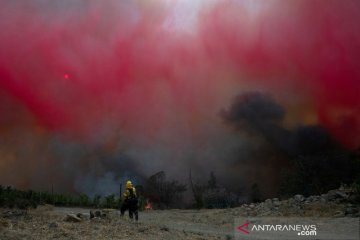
[[130, 201]]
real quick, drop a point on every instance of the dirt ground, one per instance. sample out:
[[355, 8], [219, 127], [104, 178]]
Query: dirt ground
[[48, 223]]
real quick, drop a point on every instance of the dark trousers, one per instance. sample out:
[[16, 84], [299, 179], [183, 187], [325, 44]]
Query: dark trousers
[[132, 207]]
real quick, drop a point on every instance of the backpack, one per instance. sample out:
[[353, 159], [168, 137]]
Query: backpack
[[132, 197]]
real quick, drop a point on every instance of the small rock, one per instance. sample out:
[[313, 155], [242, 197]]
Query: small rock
[[228, 237], [164, 228], [142, 229], [53, 225], [339, 214], [341, 194], [4, 224], [349, 211]]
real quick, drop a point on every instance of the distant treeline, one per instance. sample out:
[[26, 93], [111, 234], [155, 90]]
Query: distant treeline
[[312, 175], [11, 197], [161, 192]]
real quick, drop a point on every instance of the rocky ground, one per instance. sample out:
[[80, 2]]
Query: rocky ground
[[47, 222], [341, 202]]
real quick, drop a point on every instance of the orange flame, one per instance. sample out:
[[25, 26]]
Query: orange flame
[[148, 205]]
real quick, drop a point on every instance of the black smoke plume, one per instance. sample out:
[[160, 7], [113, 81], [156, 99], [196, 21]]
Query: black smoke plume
[[306, 155]]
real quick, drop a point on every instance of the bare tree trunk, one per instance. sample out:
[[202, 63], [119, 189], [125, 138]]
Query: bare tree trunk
[[192, 184], [120, 196], [196, 191]]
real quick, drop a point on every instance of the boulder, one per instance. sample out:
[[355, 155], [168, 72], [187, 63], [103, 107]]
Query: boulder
[[72, 218], [97, 214], [299, 198], [83, 215], [335, 194], [268, 201]]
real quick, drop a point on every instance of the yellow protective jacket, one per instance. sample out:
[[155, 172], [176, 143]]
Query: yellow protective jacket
[[127, 192]]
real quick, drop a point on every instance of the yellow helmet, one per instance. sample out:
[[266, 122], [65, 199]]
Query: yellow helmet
[[129, 184]]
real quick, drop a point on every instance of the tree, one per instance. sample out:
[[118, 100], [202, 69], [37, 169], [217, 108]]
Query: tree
[[1, 196], [212, 181], [255, 193], [84, 200], [96, 200], [163, 192], [109, 201], [198, 191], [319, 173]]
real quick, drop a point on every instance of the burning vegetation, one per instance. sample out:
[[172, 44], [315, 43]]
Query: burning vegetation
[[148, 205]]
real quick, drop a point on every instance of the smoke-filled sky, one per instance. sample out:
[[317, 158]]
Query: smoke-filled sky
[[96, 91]]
